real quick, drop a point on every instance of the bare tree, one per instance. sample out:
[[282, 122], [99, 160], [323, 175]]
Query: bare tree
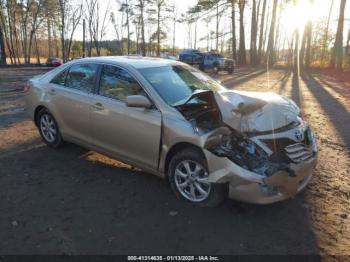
[[253, 35], [261, 33], [74, 21], [63, 5], [337, 54], [175, 19], [233, 28], [241, 53], [127, 9], [97, 27], [160, 5], [271, 42], [141, 6]]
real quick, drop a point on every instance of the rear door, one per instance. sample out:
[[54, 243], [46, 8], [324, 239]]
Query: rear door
[[70, 100], [133, 134]]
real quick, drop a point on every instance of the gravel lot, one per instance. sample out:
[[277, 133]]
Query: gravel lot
[[75, 201]]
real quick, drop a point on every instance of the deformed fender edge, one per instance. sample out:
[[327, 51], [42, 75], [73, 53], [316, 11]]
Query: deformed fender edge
[[222, 170]]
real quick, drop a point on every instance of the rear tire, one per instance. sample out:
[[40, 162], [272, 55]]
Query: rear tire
[[230, 70], [48, 129], [188, 175]]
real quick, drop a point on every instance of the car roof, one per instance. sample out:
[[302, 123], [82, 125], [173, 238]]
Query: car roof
[[137, 62]]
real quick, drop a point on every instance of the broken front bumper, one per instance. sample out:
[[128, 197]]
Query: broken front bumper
[[251, 187]]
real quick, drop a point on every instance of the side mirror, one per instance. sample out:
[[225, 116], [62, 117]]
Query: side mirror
[[138, 101]]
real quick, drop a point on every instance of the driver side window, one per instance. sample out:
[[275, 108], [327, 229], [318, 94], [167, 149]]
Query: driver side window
[[117, 83]]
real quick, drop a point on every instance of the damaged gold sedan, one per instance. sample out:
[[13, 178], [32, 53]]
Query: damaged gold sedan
[[171, 120]]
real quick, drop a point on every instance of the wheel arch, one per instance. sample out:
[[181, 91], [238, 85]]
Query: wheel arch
[[36, 113], [177, 148]]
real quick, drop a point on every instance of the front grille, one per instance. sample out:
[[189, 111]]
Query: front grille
[[228, 63], [288, 150], [299, 152]]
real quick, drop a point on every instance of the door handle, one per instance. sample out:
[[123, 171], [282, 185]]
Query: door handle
[[52, 92], [98, 106]]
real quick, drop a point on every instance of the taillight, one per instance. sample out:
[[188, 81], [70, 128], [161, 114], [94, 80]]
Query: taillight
[[26, 87]]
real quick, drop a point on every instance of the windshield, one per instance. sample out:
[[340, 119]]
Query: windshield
[[177, 83]]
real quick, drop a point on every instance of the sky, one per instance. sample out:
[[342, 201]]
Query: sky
[[292, 17]]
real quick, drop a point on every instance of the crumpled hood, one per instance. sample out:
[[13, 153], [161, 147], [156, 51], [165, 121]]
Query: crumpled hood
[[256, 111]]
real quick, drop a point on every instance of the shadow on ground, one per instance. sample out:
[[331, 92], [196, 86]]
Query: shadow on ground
[[335, 111], [57, 201]]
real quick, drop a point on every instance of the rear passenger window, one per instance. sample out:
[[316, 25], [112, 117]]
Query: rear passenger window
[[117, 83], [82, 77]]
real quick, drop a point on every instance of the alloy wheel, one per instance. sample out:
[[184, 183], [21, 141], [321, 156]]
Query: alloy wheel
[[191, 180], [48, 128]]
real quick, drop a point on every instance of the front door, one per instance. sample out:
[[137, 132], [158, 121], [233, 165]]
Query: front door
[[133, 134]]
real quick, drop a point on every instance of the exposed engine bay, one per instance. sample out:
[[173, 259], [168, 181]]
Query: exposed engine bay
[[202, 112]]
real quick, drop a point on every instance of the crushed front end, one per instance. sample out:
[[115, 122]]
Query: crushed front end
[[262, 168], [256, 142]]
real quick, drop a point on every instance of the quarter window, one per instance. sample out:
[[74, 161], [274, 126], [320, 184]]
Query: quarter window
[[82, 77], [117, 83], [60, 79]]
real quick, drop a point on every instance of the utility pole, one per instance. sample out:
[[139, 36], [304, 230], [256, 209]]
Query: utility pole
[[84, 38]]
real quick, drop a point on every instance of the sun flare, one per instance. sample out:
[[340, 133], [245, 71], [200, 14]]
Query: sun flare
[[295, 16]]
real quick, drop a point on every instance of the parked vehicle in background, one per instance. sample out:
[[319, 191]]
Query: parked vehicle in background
[[207, 61], [192, 57], [54, 61], [174, 121], [216, 63]]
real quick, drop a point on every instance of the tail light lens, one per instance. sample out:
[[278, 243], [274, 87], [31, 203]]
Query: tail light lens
[[26, 87]]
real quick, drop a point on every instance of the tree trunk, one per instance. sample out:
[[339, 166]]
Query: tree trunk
[[325, 42], [308, 45], [128, 25], [233, 23], [217, 27], [174, 32], [158, 31], [57, 51], [348, 46], [271, 42], [143, 44], [2, 48], [296, 53], [49, 38], [241, 54], [195, 34], [261, 34], [63, 25], [337, 55], [303, 47], [37, 50], [253, 35]]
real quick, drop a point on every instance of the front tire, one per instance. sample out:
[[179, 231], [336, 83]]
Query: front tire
[[216, 69], [188, 177], [48, 129]]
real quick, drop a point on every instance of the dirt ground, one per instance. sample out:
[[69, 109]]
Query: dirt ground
[[74, 201]]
